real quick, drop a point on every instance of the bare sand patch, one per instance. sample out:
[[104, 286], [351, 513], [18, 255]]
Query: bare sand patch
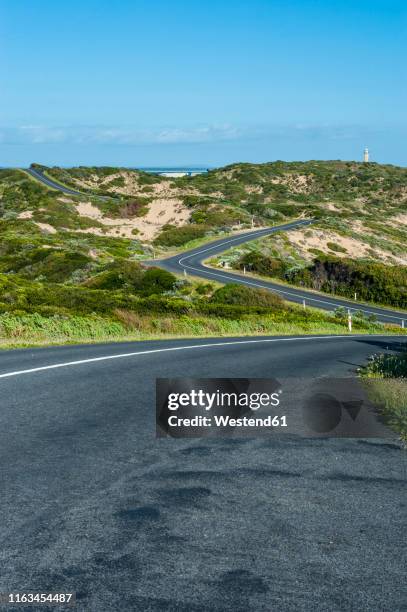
[[331, 206], [46, 227], [87, 209], [400, 219], [161, 211], [253, 189]]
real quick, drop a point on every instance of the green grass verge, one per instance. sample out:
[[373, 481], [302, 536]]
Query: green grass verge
[[385, 380], [24, 330]]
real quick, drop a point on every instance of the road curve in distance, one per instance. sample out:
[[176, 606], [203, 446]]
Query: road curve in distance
[[191, 262], [40, 176]]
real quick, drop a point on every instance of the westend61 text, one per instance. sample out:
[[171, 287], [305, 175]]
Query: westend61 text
[[226, 421]]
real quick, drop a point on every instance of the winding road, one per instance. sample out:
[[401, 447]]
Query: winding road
[[191, 262]]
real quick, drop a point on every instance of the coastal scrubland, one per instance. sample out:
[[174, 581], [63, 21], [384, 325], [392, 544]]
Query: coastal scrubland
[[71, 266]]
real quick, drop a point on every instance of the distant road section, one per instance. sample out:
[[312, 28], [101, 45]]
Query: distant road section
[[191, 263], [50, 183]]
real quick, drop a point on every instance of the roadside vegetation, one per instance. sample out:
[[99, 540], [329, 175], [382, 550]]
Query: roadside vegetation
[[124, 302], [371, 281], [385, 379]]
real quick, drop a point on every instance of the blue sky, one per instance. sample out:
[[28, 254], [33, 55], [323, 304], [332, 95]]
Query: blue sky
[[143, 83]]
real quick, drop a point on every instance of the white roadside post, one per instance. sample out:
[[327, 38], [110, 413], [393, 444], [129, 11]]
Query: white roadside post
[[355, 296], [303, 304], [244, 269], [402, 323], [185, 272], [349, 320]]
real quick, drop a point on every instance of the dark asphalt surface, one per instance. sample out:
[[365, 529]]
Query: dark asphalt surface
[[50, 183], [92, 502], [39, 176], [191, 261]]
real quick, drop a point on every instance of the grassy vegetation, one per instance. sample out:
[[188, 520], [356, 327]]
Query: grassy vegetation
[[126, 301], [385, 379], [282, 189], [23, 330]]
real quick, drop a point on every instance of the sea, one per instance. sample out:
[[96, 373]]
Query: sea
[[174, 170]]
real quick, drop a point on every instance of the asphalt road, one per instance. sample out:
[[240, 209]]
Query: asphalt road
[[92, 502], [39, 176], [191, 262]]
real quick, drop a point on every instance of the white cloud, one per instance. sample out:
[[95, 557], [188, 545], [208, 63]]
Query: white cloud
[[133, 136], [39, 134]]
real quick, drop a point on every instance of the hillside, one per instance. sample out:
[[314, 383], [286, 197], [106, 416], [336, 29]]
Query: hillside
[[79, 256], [362, 207]]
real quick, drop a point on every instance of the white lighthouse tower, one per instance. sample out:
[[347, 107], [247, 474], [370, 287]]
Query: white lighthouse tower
[[366, 155]]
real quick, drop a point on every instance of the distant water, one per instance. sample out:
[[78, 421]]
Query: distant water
[[186, 169]]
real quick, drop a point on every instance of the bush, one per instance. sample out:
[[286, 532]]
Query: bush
[[134, 208], [156, 281], [120, 274], [191, 201], [177, 236], [241, 295], [258, 262], [373, 282], [129, 276], [335, 247]]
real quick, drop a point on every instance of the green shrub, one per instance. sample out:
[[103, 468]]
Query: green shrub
[[177, 236], [193, 201], [129, 276], [242, 295], [119, 274], [335, 247], [156, 281], [371, 281], [263, 264], [217, 218]]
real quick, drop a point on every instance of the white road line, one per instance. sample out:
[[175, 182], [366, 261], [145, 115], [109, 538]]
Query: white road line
[[253, 236], [377, 311], [172, 348]]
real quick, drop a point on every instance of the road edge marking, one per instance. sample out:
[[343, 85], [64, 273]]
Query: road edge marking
[[173, 348]]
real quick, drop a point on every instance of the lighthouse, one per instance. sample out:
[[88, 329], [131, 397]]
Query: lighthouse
[[366, 155]]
